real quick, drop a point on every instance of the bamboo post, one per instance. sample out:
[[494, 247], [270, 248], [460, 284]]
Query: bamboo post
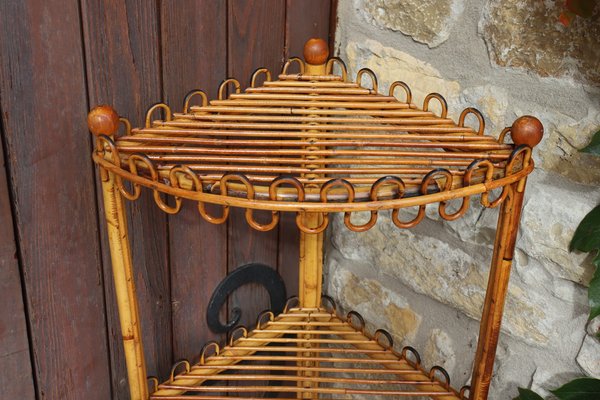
[[316, 53], [104, 120], [525, 131]]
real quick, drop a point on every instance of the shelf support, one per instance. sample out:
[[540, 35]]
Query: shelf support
[[104, 120], [489, 330]]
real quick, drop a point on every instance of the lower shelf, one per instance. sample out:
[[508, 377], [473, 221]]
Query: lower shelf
[[306, 353]]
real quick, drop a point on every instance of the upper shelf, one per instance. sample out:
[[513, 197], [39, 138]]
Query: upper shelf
[[313, 141]]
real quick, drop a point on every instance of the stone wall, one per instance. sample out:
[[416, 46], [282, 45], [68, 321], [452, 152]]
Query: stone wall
[[507, 58]]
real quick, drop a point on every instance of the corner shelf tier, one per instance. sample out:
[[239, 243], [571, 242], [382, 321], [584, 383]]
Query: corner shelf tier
[[302, 353], [312, 144]]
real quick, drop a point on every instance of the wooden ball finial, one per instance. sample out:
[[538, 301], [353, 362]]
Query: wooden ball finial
[[103, 120], [316, 51], [527, 130]]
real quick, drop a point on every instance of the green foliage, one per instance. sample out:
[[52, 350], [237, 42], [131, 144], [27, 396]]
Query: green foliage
[[526, 394], [594, 146], [579, 389], [587, 239]]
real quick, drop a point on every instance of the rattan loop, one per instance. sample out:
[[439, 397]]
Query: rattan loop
[[407, 91], [154, 381], [417, 358], [224, 84], [328, 300], [503, 134], [283, 180], [165, 107], [489, 175], [447, 186], [388, 337], [371, 75], [233, 334], [336, 60], [258, 73], [350, 320], [295, 300], [127, 125], [207, 346], [436, 370], [463, 392], [289, 62], [185, 363], [190, 95], [440, 99], [476, 113], [261, 316]]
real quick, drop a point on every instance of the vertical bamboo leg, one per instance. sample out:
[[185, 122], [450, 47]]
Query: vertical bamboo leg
[[120, 253], [311, 245], [508, 222]]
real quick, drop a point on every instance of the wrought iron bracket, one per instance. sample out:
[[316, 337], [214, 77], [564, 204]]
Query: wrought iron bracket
[[249, 273]]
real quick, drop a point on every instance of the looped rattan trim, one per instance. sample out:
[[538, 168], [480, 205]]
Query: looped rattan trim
[[489, 175], [476, 113], [404, 354], [261, 316], [127, 125], [207, 346], [154, 381], [325, 299], [190, 95], [224, 84], [232, 334], [445, 188], [340, 63], [292, 300], [388, 337], [406, 88], [371, 74], [166, 108], [257, 73], [350, 320], [436, 369], [289, 62], [185, 363], [503, 134], [463, 392], [440, 99]]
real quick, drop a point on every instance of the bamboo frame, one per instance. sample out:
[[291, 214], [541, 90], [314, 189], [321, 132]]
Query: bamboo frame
[[120, 252], [340, 141]]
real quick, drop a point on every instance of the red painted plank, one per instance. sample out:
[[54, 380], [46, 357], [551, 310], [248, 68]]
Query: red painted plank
[[256, 39], [123, 70], [16, 379], [44, 108], [194, 57]]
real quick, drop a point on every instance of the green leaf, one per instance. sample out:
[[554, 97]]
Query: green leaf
[[583, 8], [594, 291], [594, 146], [526, 394], [587, 234], [579, 389]]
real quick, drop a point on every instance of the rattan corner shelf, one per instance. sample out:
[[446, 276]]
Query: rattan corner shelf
[[312, 143]]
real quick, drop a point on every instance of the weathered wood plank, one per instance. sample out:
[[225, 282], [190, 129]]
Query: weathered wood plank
[[256, 39], [123, 70], [305, 19], [194, 43], [16, 379], [44, 108]]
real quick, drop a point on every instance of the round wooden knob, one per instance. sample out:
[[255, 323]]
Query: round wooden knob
[[103, 120], [316, 51], [527, 130]]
